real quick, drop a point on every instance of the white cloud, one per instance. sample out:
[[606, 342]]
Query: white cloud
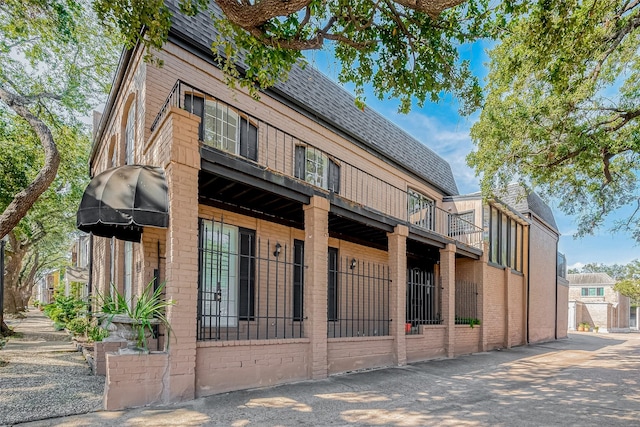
[[451, 141], [577, 265]]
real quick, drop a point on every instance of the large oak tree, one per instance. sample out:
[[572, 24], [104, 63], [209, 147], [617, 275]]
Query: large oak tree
[[56, 62], [405, 49], [562, 112]]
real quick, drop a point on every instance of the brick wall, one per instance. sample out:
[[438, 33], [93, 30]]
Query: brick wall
[[348, 354], [429, 344], [100, 350], [517, 307], [467, 339], [494, 308], [234, 365], [134, 379]]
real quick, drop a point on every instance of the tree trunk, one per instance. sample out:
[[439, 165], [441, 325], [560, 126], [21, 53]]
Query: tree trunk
[[22, 202], [13, 300], [4, 330]]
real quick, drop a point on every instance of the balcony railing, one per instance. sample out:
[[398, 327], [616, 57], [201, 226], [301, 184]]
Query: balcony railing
[[238, 133]]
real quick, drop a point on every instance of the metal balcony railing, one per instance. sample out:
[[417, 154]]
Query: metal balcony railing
[[236, 132]]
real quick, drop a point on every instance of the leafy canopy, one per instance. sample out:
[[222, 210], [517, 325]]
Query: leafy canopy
[[56, 63], [405, 49], [562, 112]]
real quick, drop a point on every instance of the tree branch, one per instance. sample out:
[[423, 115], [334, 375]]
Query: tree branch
[[433, 8], [23, 201]]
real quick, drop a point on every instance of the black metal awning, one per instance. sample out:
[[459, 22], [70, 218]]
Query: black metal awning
[[121, 201]]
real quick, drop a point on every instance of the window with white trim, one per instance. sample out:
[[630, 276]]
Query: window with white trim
[[592, 292], [128, 272], [316, 168], [129, 136], [223, 127]]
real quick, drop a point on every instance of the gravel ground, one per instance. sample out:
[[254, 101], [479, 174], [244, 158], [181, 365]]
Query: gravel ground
[[43, 376]]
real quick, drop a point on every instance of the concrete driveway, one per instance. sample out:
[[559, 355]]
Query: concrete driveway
[[587, 380]]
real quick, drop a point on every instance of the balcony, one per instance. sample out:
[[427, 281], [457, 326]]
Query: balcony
[[235, 134]]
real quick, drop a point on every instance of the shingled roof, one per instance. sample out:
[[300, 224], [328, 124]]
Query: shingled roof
[[530, 202], [320, 98], [591, 279]]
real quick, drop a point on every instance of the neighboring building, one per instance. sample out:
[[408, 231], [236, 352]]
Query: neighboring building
[[75, 277], [44, 287], [593, 300], [78, 272], [299, 236]]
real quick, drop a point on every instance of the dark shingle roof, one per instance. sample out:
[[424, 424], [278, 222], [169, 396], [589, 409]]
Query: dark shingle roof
[[590, 279], [324, 100], [530, 202]]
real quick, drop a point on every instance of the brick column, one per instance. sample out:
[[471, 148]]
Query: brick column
[[508, 308], [316, 241], [181, 169], [448, 282], [398, 269], [482, 273]]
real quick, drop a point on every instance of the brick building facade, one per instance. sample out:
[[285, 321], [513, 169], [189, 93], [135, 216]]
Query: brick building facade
[[305, 237]]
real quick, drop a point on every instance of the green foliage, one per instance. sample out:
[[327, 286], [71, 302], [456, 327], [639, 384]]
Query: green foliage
[[406, 51], [95, 333], [58, 61], [112, 303], [64, 309], [471, 321], [78, 326], [146, 310], [562, 109]]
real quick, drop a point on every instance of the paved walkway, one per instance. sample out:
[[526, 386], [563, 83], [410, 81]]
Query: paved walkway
[[43, 375], [587, 380]]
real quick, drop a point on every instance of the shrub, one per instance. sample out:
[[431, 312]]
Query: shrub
[[64, 309], [78, 326], [95, 333]]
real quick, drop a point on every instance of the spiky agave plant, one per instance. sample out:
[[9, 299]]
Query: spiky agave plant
[[149, 309]]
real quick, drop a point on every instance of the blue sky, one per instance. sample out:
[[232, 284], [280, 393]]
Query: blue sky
[[441, 128]]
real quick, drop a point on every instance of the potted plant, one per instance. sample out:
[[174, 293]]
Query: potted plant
[[134, 321]]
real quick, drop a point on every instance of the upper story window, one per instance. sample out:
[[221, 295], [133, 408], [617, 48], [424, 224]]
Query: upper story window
[[505, 240], [129, 136], [592, 292], [223, 127], [316, 168], [421, 210], [562, 266]]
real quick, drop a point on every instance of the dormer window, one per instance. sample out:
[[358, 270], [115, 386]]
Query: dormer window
[[223, 127], [316, 168]]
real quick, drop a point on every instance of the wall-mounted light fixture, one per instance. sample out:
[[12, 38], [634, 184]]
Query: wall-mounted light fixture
[[276, 253], [353, 264]]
